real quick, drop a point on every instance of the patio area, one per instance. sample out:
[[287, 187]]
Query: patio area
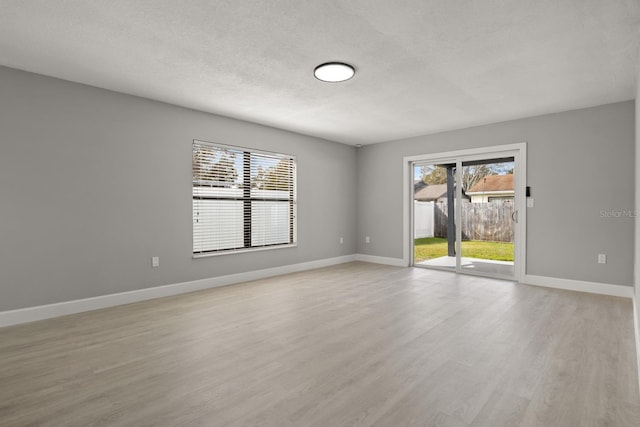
[[501, 268]]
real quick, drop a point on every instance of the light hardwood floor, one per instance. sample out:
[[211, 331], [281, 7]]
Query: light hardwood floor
[[351, 345]]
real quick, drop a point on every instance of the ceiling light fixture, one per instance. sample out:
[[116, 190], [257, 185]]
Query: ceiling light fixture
[[334, 72]]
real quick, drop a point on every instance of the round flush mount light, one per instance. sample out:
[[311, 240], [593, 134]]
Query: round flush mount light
[[334, 72]]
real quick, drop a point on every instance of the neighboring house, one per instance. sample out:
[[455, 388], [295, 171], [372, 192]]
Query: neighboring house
[[493, 188], [431, 192]]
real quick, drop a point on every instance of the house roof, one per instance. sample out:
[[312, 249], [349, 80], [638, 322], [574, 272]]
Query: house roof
[[431, 192], [493, 183]]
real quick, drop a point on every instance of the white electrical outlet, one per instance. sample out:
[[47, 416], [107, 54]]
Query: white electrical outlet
[[341, 240], [367, 239], [155, 261], [529, 202], [602, 258]]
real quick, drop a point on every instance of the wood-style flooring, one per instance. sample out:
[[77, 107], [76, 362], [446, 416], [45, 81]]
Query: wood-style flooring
[[351, 345]]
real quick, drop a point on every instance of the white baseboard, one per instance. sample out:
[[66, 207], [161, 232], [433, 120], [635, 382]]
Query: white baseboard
[[30, 314], [580, 286], [397, 262]]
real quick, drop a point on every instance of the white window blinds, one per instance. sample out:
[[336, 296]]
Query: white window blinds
[[242, 199]]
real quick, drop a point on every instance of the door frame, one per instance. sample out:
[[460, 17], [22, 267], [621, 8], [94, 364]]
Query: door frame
[[518, 151]]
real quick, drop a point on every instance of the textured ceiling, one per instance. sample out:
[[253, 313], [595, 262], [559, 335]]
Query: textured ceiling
[[423, 66]]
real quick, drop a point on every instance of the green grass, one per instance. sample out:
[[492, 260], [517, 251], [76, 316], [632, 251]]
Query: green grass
[[436, 247]]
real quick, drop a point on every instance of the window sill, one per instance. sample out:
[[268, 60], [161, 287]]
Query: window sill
[[242, 251]]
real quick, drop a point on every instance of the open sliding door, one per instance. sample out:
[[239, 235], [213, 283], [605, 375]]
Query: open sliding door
[[434, 213], [466, 211]]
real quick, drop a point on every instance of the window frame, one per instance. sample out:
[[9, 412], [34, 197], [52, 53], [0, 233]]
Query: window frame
[[248, 199]]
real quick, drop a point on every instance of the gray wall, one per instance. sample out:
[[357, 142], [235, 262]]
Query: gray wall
[[579, 163], [93, 183]]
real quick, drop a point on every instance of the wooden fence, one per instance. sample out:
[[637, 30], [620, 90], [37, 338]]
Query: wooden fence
[[480, 221]]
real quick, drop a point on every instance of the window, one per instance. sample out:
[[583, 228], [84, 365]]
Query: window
[[242, 199], [500, 199]]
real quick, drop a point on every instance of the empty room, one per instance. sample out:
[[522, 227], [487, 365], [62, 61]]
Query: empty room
[[319, 214]]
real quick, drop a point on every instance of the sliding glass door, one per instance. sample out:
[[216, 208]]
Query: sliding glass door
[[465, 213]]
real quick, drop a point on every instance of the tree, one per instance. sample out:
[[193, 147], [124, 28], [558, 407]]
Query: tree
[[436, 174], [473, 174], [216, 167], [259, 180], [433, 174], [275, 177]]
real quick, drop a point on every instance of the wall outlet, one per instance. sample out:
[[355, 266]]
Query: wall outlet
[[155, 261], [341, 240], [529, 202], [367, 239], [602, 258]]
